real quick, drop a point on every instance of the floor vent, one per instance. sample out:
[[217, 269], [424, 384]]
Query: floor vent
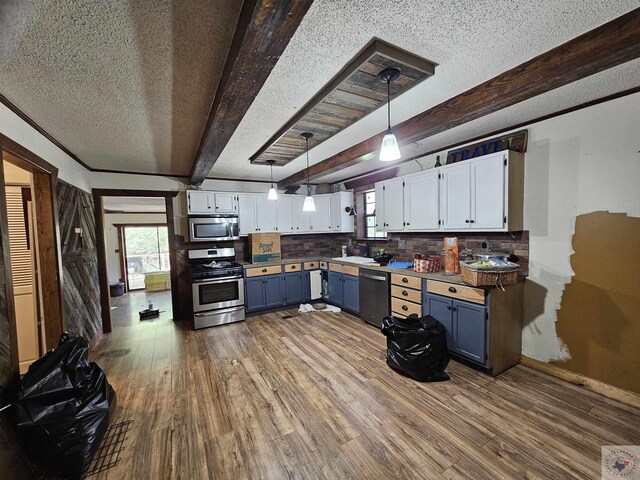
[[108, 455]]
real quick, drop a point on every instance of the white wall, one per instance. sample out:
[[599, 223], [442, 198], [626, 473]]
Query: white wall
[[582, 162], [21, 132], [111, 237]]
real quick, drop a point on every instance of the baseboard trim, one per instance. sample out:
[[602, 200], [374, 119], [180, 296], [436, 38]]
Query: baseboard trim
[[597, 386]]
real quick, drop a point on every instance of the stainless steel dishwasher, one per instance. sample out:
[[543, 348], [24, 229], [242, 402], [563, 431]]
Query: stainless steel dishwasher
[[374, 296]]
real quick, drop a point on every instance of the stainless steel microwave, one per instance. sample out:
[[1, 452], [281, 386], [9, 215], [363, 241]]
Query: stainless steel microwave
[[214, 228]]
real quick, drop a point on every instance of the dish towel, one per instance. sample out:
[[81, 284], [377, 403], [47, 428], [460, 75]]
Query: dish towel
[[307, 307]]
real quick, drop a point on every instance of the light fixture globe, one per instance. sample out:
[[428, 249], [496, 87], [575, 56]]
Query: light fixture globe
[[309, 205], [389, 150], [273, 194]]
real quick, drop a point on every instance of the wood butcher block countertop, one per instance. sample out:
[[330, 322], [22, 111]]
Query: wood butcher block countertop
[[455, 279]]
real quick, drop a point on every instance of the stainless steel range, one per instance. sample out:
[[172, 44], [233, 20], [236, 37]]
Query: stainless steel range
[[218, 287]]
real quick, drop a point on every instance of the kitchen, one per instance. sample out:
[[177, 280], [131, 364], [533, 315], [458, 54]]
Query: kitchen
[[268, 161]]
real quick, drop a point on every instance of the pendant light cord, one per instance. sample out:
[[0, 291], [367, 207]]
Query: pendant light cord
[[308, 191], [271, 164], [388, 106]]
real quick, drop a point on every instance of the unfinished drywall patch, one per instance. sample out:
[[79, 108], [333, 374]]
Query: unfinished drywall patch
[[599, 317], [584, 162]]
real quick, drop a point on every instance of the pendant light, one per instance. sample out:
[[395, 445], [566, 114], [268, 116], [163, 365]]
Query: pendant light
[[309, 205], [273, 195], [389, 150]]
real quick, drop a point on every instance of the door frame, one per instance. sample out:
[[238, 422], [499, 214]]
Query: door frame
[[45, 179], [103, 276]]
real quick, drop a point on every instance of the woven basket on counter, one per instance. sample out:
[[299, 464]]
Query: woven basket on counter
[[489, 276]]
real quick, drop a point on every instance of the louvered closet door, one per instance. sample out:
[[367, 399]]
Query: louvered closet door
[[22, 272]]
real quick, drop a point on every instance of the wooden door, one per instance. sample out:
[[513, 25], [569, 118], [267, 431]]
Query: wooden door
[[351, 293], [293, 289], [266, 214], [440, 308], [335, 288], [320, 220], [247, 214], [273, 293], [381, 225], [284, 213], [469, 326], [254, 293], [301, 220], [22, 247], [226, 202], [199, 202]]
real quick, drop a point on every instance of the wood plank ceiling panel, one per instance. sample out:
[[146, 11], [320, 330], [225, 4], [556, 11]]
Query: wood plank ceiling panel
[[353, 93]]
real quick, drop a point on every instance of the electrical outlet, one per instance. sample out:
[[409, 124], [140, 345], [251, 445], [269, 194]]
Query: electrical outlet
[[484, 245]]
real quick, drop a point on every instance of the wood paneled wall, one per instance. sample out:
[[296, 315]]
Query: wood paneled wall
[[81, 290]]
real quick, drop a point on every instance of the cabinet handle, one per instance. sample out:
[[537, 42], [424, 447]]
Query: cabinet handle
[[454, 309], [264, 270], [293, 267], [408, 223], [453, 290], [405, 280], [405, 308], [448, 307], [473, 221], [405, 293], [466, 221]]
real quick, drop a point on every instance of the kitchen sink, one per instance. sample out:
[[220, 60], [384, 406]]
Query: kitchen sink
[[354, 259]]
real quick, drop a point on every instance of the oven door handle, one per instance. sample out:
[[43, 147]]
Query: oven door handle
[[224, 280], [218, 312]]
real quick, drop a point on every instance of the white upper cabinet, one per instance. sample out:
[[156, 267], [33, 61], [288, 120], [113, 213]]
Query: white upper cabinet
[[393, 204], [488, 193], [484, 194], [341, 221], [422, 201], [301, 220], [481, 194], [247, 213], [226, 202], [456, 196], [200, 202], [320, 220], [266, 213], [284, 213]]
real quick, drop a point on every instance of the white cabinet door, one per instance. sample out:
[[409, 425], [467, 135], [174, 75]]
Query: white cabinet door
[[284, 213], [200, 202], [380, 220], [488, 192], [393, 193], [320, 220], [301, 220], [266, 214], [247, 213], [341, 221], [226, 202], [422, 201], [456, 196]]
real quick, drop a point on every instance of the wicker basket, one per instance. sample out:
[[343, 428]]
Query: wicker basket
[[489, 276]]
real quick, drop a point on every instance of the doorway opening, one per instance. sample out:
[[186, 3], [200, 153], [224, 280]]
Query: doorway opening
[[30, 255], [139, 259]]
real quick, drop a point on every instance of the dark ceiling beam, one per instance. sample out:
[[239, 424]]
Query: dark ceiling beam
[[607, 46], [263, 32]]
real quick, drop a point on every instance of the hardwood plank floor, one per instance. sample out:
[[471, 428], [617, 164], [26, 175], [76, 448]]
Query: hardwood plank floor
[[312, 398]]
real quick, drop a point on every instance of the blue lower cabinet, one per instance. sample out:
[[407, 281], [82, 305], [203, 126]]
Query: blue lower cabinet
[[465, 323], [469, 326], [335, 288], [306, 286], [293, 288], [254, 294], [351, 293], [273, 291], [440, 308]]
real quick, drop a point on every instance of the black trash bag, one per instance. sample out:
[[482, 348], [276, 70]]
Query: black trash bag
[[417, 347], [61, 411]]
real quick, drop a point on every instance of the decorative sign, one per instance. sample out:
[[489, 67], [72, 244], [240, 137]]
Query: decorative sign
[[516, 141]]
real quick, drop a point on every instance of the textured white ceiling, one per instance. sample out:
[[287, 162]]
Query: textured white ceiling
[[123, 84], [127, 85], [471, 41]]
